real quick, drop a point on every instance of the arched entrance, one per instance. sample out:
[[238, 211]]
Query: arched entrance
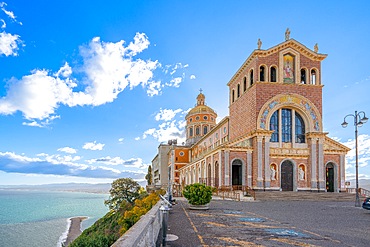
[[287, 176], [330, 177], [236, 173]]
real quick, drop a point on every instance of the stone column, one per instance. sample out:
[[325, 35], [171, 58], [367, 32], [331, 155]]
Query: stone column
[[213, 171], [249, 168], [342, 168], [321, 165], [259, 162], [267, 163], [219, 167], [227, 168], [313, 164]]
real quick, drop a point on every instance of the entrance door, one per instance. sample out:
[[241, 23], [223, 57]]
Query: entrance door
[[287, 176], [236, 172], [330, 178]]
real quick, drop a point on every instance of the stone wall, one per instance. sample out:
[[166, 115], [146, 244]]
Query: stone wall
[[145, 232]]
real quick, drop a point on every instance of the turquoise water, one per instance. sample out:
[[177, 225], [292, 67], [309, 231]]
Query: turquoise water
[[40, 218]]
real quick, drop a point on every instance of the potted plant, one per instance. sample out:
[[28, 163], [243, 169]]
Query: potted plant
[[198, 195]]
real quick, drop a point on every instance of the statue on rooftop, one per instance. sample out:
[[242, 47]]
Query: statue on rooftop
[[259, 43], [316, 48], [287, 34]]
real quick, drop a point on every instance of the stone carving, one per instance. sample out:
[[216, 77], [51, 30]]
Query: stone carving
[[316, 48], [259, 44], [287, 34], [301, 173], [273, 172]]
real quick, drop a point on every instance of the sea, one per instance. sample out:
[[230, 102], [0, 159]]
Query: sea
[[41, 218]]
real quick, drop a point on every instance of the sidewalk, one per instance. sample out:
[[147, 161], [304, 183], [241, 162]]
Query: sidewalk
[[180, 225]]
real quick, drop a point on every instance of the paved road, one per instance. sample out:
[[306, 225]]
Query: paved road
[[278, 223]]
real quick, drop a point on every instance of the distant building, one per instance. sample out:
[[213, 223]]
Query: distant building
[[273, 138]]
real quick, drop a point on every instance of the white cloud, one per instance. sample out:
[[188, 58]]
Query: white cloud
[[137, 138], [9, 44], [4, 24], [130, 163], [120, 140], [68, 150], [175, 82], [166, 114], [363, 155], [167, 131], [93, 146], [192, 77]]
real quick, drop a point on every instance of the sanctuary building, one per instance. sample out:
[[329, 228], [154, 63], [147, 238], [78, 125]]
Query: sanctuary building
[[273, 138]]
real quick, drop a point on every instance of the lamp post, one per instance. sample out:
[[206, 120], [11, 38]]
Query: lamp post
[[358, 122]]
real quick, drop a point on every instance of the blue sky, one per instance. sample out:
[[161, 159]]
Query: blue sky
[[88, 91]]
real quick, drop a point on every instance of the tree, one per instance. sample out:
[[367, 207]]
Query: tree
[[123, 190], [149, 176]]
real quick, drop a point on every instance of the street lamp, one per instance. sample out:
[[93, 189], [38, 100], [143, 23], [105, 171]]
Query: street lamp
[[358, 122]]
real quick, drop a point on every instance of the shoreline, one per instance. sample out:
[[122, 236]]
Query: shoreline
[[74, 229]]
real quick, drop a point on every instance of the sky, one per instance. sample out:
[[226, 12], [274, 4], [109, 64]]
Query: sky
[[88, 90]]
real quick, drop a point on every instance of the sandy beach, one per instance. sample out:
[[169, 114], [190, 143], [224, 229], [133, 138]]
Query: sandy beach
[[74, 229]]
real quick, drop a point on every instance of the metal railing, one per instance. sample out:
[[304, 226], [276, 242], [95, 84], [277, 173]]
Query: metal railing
[[362, 191]]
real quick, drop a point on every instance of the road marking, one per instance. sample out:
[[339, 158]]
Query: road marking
[[292, 242], [240, 242], [195, 229]]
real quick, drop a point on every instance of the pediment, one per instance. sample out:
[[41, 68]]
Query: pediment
[[332, 146]]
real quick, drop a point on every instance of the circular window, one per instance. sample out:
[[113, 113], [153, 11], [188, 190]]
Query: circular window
[[197, 118], [205, 117], [190, 120], [212, 118], [182, 153]]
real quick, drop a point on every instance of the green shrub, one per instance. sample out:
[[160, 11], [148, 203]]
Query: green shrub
[[198, 194]]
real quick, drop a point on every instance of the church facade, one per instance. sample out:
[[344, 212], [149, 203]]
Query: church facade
[[273, 138]]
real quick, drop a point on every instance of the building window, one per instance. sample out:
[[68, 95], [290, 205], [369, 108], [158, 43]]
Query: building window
[[262, 73], [216, 135], [238, 91], [181, 154], [197, 131], [205, 130], [274, 125], [244, 84], [191, 131], [197, 118], [313, 77], [225, 130], [303, 76], [287, 127], [251, 77], [273, 74], [233, 96], [299, 129], [205, 117], [190, 120]]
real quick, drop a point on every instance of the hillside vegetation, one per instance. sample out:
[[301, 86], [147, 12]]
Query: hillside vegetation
[[127, 203]]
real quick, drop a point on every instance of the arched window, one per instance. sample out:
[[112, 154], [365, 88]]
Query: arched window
[[191, 131], [313, 77], [299, 129], [233, 96], [205, 130], [251, 77], [238, 91], [274, 125], [286, 125], [262, 73], [284, 130], [244, 84], [197, 131], [273, 74], [303, 76]]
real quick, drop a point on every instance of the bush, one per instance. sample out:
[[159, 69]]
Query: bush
[[198, 194]]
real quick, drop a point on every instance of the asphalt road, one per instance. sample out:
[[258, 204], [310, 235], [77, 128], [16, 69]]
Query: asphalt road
[[275, 223]]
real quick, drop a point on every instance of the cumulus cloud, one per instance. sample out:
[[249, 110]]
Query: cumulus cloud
[[166, 114], [9, 43], [363, 156], [120, 140], [93, 146], [192, 77], [68, 150], [55, 165], [107, 69]]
